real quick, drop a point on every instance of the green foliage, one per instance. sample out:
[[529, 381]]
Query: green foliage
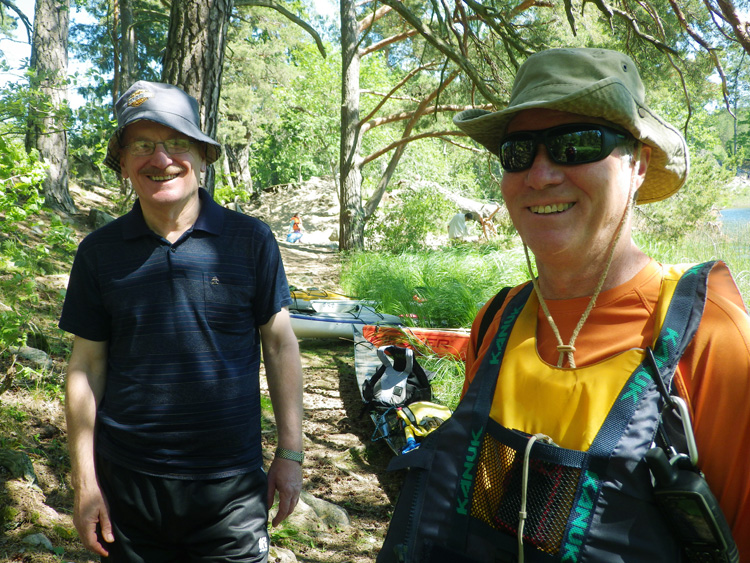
[[17, 414], [692, 206], [448, 379], [225, 194], [706, 243], [20, 178], [11, 330], [87, 143], [8, 22], [21, 261], [280, 111], [404, 223], [91, 40]]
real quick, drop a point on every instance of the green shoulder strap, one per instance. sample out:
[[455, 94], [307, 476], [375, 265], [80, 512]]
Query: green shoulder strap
[[495, 304]]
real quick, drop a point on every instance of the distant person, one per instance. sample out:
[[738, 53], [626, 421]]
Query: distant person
[[170, 306], [295, 229], [457, 229]]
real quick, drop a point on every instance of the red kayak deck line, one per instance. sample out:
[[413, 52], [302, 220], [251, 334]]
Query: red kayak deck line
[[442, 342]]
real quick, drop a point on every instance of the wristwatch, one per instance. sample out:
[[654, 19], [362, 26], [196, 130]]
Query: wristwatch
[[283, 453]]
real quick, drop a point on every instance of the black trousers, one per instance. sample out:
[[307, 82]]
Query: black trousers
[[161, 520]]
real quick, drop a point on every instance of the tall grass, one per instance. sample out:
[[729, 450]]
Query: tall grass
[[730, 244], [441, 288]]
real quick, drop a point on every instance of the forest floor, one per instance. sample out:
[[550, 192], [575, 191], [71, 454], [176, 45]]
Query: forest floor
[[343, 466]]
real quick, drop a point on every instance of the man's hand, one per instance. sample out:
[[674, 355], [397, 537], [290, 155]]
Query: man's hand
[[284, 476], [91, 509]]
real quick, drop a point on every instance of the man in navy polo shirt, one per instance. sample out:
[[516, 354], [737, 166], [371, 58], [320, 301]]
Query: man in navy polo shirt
[[170, 306]]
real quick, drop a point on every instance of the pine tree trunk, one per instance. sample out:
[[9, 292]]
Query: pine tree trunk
[[238, 159], [49, 117], [351, 218], [127, 46], [195, 57]]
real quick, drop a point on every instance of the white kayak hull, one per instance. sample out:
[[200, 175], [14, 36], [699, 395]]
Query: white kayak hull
[[337, 325]]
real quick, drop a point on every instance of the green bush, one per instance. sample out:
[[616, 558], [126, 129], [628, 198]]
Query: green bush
[[691, 208], [404, 223], [20, 198]]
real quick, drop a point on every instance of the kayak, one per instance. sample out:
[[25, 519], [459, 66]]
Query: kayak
[[338, 305], [442, 342], [302, 298], [312, 324]]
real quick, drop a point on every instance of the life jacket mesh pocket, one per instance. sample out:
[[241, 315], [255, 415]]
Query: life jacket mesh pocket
[[497, 495]]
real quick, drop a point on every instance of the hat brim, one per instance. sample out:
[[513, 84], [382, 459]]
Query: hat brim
[[669, 163], [171, 120]]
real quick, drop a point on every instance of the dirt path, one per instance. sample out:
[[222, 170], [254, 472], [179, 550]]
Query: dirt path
[[311, 265], [344, 466]]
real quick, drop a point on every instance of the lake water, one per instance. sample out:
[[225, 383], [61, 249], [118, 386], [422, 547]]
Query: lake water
[[735, 219], [735, 215]]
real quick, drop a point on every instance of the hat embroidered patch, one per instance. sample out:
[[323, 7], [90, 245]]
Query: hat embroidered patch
[[138, 97]]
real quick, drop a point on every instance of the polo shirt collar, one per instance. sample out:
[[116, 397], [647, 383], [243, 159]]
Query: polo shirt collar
[[210, 219]]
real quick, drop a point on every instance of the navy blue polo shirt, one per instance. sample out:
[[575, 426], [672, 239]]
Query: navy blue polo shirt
[[181, 321]]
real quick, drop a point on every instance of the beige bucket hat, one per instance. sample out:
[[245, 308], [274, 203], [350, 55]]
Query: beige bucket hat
[[596, 83]]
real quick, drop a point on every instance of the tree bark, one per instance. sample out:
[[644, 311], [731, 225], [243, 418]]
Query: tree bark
[[194, 58], [238, 159], [351, 217], [127, 46], [48, 118]]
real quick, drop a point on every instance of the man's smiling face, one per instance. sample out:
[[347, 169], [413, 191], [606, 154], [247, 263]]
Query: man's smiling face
[[564, 212], [161, 178]]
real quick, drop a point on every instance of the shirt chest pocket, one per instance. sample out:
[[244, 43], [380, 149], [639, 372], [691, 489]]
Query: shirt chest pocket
[[228, 303]]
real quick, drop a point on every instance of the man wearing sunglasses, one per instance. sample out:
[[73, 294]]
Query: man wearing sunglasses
[[569, 354], [170, 306]]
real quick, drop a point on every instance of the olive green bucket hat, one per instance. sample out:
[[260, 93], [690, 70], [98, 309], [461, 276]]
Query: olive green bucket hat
[[596, 83], [162, 103]]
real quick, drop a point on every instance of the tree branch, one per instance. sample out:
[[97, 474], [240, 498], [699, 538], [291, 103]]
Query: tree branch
[[27, 24], [740, 27], [710, 50], [388, 41], [429, 111], [373, 17], [388, 96], [287, 14], [637, 30], [405, 140], [446, 49], [374, 200]]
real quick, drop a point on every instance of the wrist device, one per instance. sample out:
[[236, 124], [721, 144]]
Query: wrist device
[[283, 453]]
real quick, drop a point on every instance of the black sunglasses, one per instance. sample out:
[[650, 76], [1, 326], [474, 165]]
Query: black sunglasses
[[575, 143]]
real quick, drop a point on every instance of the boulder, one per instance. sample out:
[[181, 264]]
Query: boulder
[[281, 555], [98, 218], [313, 515]]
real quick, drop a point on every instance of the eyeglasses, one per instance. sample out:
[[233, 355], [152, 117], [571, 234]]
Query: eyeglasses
[[172, 146], [575, 143]]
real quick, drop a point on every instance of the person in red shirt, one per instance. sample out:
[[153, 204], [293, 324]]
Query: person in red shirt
[[295, 229]]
